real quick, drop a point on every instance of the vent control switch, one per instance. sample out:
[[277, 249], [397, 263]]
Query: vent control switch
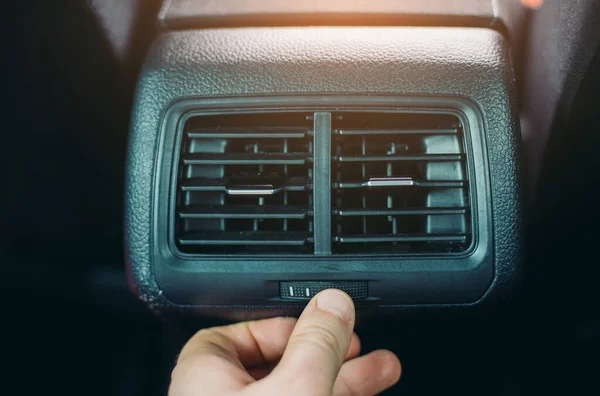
[[307, 290]]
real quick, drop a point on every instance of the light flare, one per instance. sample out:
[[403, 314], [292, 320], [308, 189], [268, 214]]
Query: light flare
[[535, 4]]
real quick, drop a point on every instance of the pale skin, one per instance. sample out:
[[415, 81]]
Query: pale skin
[[316, 355]]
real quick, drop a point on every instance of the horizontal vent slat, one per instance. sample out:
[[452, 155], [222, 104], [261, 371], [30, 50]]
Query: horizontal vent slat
[[250, 133], [220, 185], [247, 159], [264, 238], [245, 212], [424, 184], [393, 158], [442, 184], [400, 212], [458, 238], [360, 132]]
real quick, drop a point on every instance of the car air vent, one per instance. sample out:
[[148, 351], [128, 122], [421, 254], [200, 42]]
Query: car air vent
[[400, 184], [244, 184]]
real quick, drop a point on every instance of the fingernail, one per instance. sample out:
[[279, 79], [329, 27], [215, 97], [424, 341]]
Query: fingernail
[[337, 303]]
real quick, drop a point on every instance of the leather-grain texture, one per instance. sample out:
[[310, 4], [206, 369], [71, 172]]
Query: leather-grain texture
[[469, 62]]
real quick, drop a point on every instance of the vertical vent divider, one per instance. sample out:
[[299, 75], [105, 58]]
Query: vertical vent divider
[[322, 183]]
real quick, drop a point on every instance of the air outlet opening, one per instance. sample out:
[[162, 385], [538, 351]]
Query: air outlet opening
[[245, 184], [400, 184]]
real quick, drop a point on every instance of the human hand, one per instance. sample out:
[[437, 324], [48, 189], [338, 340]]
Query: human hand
[[316, 355]]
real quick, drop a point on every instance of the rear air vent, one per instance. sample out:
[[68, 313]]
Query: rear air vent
[[245, 184], [399, 184], [343, 182]]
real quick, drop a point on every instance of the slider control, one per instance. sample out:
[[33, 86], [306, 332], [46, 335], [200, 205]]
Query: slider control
[[306, 290]]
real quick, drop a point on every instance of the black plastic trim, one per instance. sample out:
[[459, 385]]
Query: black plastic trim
[[459, 278], [322, 183]]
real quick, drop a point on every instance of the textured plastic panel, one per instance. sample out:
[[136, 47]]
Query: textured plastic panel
[[428, 62]]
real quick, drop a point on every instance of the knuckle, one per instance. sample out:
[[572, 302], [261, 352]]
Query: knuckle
[[322, 337], [207, 342], [343, 388], [184, 370], [194, 365]]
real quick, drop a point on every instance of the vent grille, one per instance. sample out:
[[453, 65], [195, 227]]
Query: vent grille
[[245, 184], [399, 184]]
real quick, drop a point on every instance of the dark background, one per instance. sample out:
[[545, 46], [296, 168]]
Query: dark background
[[68, 71]]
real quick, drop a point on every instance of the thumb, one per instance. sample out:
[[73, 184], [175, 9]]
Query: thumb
[[318, 345]]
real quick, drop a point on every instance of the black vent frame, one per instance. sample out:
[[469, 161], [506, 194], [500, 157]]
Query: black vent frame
[[248, 228]]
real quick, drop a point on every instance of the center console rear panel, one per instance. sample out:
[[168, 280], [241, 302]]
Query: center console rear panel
[[467, 63]]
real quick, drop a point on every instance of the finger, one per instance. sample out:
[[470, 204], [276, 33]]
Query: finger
[[245, 344], [209, 360], [354, 349], [318, 345], [262, 343], [261, 372], [211, 373], [214, 358], [254, 344], [368, 375]]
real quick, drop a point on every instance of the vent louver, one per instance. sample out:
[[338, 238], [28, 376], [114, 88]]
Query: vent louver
[[398, 184], [244, 184]]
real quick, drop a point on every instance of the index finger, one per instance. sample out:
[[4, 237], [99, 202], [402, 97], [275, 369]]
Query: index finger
[[253, 344], [214, 359], [250, 343], [318, 345]]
